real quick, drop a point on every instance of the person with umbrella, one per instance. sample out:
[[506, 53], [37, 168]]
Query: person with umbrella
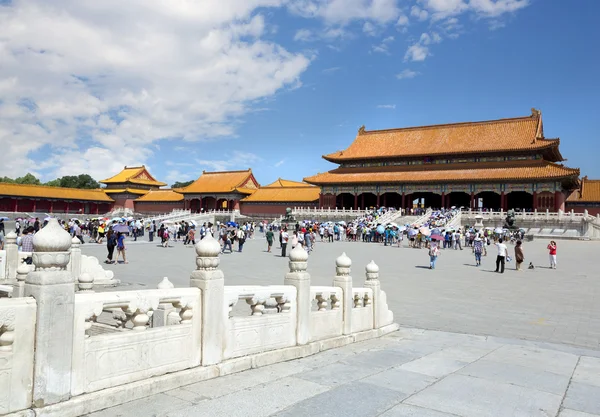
[[434, 252], [478, 249]]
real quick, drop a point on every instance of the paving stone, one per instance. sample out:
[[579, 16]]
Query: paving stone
[[433, 366], [337, 374], [262, 399], [474, 397], [518, 375], [400, 380], [462, 353], [583, 397], [155, 406], [404, 410], [588, 371], [353, 399], [218, 387], [572, 413], [382, 359], [562, 363]]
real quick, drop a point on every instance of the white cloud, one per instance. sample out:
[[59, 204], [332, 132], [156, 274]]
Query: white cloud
[[386, 106], [342, 12], [304, 35], [370, 29], [125, 75], [495, 8], [402, 20], [331, 70], [383, 47], [419, 13], [404, 74], [279, 163], [416, 52], [442, 9], [234, 161]]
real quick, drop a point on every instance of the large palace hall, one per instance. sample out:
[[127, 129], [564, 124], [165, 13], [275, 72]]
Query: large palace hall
[[495, 164]]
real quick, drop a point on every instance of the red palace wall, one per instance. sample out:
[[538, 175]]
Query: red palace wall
[[47, 206], [148, 207], [592, 208], [255, 209]]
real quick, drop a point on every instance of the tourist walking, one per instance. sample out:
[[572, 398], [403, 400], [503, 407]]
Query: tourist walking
[[121, 248], [478, 249], [111, 243], [269, 235], [501, 258], [434, 252], [241, 238], [151, 231], [519, 256], [284, 236], [552, 249]]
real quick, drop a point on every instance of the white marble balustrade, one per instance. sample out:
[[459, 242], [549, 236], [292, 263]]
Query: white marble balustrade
[[362, 309], [326, 319], [137, 351]]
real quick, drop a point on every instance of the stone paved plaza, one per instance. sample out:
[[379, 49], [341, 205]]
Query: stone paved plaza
[[558, 306], [409, 373]]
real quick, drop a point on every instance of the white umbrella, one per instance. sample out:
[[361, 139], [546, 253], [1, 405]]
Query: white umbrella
[[425, 231], [499, 230]]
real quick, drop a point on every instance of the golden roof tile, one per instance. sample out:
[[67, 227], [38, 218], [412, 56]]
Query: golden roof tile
[[283, 191], [589, 192], [134, 175], [222, 182], [161, 195], [125, 190], [515, 134], [58, 193], [541, 170]]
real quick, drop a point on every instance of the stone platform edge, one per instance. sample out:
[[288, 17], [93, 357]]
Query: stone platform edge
[[121, 394]]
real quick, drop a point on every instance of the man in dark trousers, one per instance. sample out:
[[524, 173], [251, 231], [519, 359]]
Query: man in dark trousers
[[151, 231], [284, 241]]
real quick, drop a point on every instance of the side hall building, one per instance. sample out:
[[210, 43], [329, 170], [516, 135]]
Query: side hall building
[[506, 163]]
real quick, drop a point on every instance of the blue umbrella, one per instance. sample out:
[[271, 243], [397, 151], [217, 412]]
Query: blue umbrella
[[121, 228], [4, 218], [380, 229]]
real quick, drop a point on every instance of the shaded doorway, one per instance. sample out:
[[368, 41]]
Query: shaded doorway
[[425, 200], [344, 201], [367, 200], [458, 199], [488, 200], [519, 200], [391, 200]]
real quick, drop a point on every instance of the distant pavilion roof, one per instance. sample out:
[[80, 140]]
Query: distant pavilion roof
[[223, 182], [161, 195], [55, 193], [285, 191], [467, 172], [124, 190], [503, 135], [589, 192], [134, 175]]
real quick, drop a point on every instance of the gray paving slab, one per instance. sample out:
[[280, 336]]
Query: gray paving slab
[[588, 371], [262, 399], [434, 366], [156, 406], [474, 397], [583, 397], [337, 374], [381, 359], [562, 363], [400, 380], [404, 410], [573, 413], [355, 399], [518, 375]]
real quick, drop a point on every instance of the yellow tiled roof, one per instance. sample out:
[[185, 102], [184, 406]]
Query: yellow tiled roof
[[58, 193], [541, 170], [161, 195], [221, 182], [124, 190], [589, 192], [521, 133], [134, 175], [285, 190]]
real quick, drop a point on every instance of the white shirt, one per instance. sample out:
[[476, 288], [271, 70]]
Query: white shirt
[[501, 249]]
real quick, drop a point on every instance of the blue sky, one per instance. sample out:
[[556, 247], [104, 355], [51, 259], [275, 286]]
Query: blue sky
[[186, 86]]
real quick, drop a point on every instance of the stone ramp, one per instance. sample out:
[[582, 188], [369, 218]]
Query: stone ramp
[[407, 373]]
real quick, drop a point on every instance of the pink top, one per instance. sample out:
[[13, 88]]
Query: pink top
[[552, 249]]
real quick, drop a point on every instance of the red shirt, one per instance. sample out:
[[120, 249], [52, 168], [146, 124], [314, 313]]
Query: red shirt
[[552, 249]]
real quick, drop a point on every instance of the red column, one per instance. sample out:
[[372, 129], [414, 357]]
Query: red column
[[443, 200], [66, 207], [355, 201], [16, 205], [559, 201], [503, 201], [52, 207], [97, 208], [535, 200], [33, 206], [199, 205], [362, 201], [403, 201], [472, 201], [378, 200], [320, 200]]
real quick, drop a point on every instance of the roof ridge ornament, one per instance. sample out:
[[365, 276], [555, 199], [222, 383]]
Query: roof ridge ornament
[[361, 130]]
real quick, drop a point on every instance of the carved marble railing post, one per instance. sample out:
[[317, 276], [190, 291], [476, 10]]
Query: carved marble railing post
[[344, 281], [12, 256], [372, 273], [299, 278], [165, 314], [19, 286], [75, 262], [53, 288], [211, 282]]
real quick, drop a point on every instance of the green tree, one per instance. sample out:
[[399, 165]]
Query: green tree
[[83, 181], [8, 180], [180, 184], [28, 179], [86, 182], [53, 183]]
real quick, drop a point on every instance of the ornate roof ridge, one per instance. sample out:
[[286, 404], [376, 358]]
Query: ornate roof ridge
[[226, 172], [50, 186], [363, 131]]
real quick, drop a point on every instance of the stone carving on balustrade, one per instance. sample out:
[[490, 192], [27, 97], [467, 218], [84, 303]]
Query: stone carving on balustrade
[[382, 315], [326, 318], [7, 329]]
